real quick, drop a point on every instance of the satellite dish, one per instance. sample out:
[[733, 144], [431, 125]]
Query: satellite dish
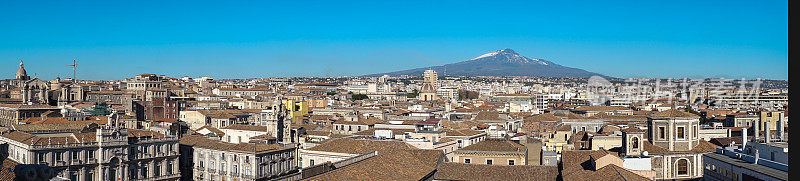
[[644, 153]]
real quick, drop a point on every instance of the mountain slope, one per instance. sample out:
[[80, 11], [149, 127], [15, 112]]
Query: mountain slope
[[500, 63]]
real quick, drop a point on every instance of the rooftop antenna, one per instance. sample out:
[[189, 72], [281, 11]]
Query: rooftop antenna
[[74, 69]]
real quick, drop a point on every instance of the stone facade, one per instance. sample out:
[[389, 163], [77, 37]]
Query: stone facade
[[673, 145], [676, 133], [101, 155], [207, 159], [14, 113]]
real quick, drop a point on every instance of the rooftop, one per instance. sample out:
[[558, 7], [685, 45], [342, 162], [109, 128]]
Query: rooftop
[[783, 175]]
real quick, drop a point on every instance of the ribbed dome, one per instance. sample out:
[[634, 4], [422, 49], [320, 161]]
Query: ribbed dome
[[427, 88], [21, 72]]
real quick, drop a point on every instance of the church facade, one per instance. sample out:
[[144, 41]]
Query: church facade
[[26, 89]]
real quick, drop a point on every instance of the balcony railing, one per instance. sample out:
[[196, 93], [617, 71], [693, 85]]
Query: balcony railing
[[161, 177], [70, 145]]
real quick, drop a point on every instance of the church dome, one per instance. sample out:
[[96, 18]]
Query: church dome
[[427, 88], [21, 73]]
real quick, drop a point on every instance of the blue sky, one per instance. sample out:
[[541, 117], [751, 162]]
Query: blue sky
[[245, 39]]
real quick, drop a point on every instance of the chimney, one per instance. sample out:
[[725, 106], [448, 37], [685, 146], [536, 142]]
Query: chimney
[[744, 137], [780, 129], [755, 161], [757, 129]]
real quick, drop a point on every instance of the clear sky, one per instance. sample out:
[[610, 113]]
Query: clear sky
[[246, 39]]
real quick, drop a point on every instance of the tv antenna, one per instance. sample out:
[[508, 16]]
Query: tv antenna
[[74, 69]]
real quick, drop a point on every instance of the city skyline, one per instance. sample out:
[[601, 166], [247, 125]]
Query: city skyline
[[394, 90], [113, 40]]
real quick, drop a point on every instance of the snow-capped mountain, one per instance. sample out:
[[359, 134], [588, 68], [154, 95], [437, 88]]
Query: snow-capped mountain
[[508, 56], [504, 62]]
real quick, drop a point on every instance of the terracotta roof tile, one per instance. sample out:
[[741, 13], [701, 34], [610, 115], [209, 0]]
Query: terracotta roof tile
[[463, 171]]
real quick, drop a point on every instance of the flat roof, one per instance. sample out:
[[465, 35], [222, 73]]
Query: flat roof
[[775, 173], [778, 144]]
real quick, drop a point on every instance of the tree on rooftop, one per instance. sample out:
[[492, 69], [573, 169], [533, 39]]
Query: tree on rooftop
[[360, 96]]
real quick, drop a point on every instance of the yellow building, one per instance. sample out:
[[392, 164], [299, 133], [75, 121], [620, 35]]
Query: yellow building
[[559, 139], [772, 118], [295, 108], [775, 121]]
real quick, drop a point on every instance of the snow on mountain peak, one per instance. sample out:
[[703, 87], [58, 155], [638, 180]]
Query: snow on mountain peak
[[508, 55], [487, 55]]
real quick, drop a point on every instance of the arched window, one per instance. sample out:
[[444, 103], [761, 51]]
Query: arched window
[[683, 167], [635, 142]]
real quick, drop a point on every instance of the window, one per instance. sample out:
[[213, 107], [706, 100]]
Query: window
[[488, 162], [112, 174], [683, 167], [467, 160], [59, 156], [635, 142], [681, 133], [75, 155], [696, 132], [510, 162], [661, 133], [144, 171], [42, 157], [91, 154], [157, 169], [134, 174], [311, 162]]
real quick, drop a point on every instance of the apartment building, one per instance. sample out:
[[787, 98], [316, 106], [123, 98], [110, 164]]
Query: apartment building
[[11, 114], [103, 154], [205, 159]]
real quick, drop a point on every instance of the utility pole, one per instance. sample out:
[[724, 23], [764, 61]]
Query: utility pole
[[74, 69]]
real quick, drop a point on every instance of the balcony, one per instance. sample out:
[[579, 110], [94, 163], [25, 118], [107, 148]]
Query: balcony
[[246, 176], [60, 163], [162, 177]]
